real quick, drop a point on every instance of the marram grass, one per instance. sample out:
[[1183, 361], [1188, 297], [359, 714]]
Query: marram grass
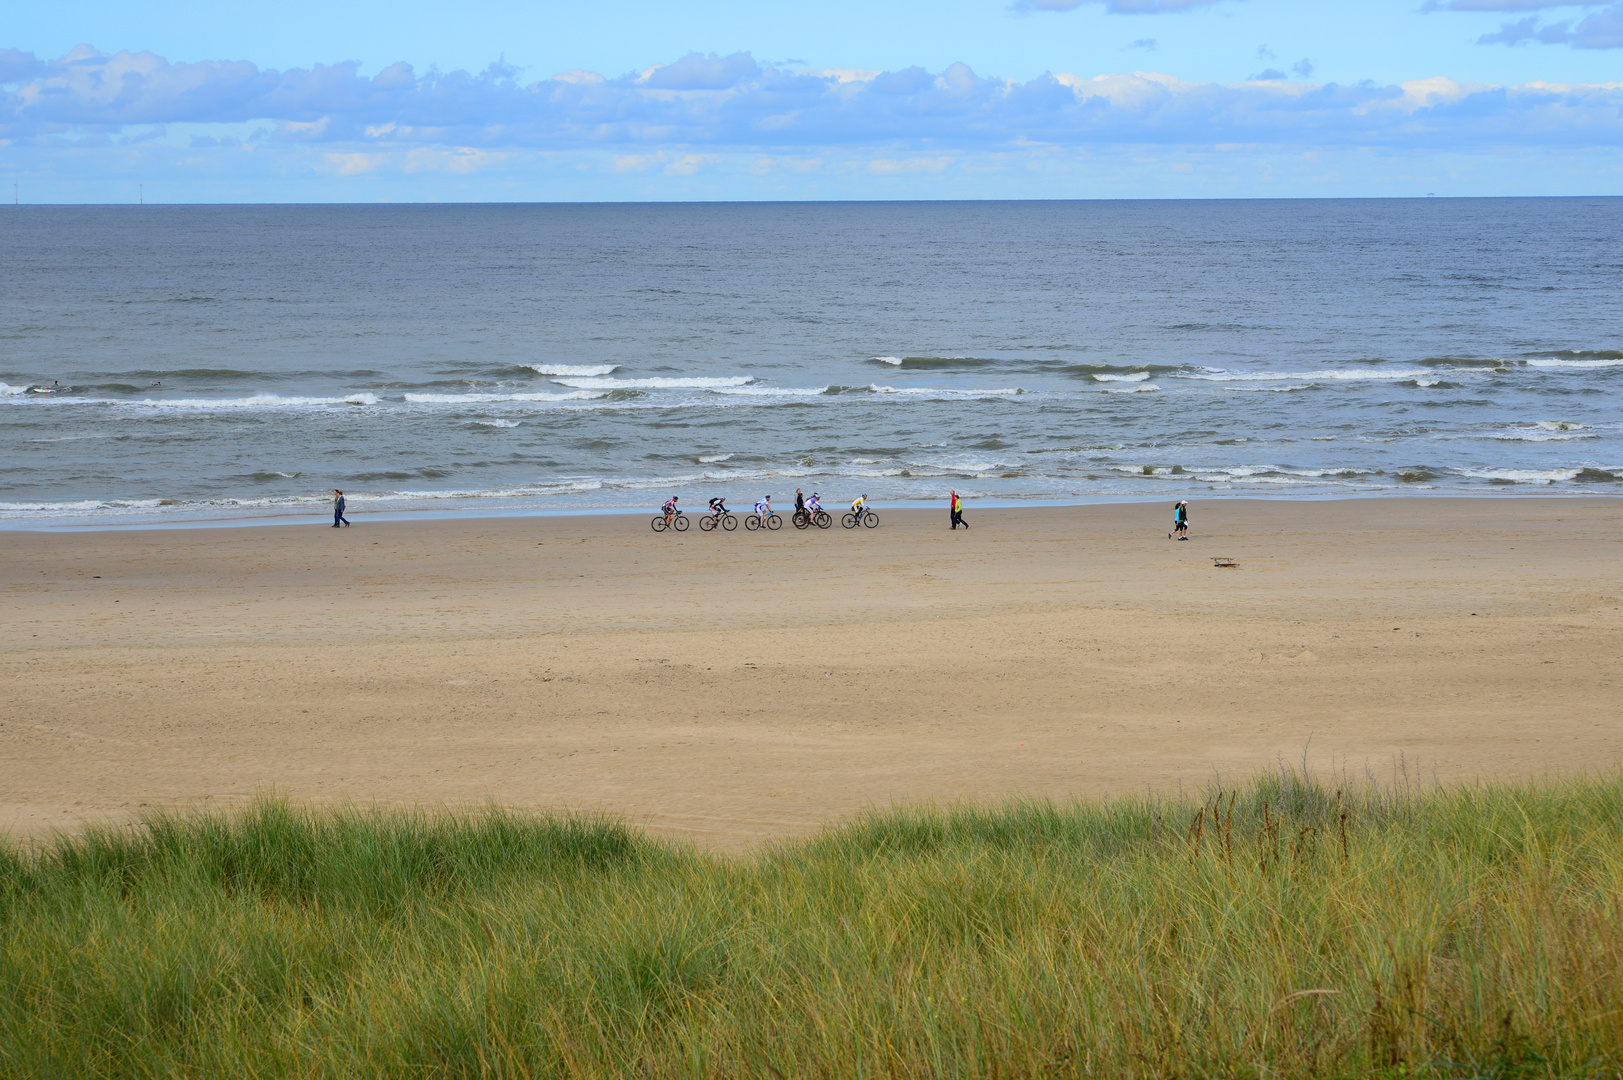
[[1282, 930]]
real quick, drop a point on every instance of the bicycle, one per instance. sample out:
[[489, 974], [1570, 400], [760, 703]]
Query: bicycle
[[728, 522], [807, 518], [773, 522], [678, 521], [869, 520]]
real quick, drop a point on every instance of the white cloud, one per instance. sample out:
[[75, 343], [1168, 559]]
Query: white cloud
[[688, 164], [846, 75], [698, 72], [353, 164], [1598, 30], [1120, 7], [1507, 5], [895, 167], [707, 104], [1601, 30]]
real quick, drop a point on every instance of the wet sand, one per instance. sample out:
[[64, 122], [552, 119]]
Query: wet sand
[[734, 687]]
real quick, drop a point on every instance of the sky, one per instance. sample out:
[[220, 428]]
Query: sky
[[629, 99]]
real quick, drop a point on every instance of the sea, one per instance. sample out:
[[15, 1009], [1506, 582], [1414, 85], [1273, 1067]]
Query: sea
[[175, 364]]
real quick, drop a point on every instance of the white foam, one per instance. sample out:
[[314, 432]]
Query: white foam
[[771, 391], [1428, 382], [1339, 474], [1539, 437], [255, 401], [498, 423], [978, 469], [1138, 470], [487, 399], [565, 487], [1142, 388], [1553, 363], [78, 507], [1136, 376], [894, 361], [942, 392], [714, 459], [578, 370], [1328, 375], [1523, 476], [7, 389], [1537, 432], [657, 383]]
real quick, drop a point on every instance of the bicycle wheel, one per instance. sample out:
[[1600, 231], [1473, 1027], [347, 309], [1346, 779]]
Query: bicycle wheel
[[752, 523], [729, 523], [870, 520], [774, 522], [659, 524], [822, 520], [681, 523], [800, 519], [707, 523], [849, 521]]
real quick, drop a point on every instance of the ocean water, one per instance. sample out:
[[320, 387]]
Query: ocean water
[[213, 362]]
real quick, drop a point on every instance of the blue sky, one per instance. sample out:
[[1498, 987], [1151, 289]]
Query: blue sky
[[301, 101]]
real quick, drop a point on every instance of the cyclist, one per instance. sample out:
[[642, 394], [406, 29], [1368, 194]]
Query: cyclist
[[860, 506], [813, 506], [800, 506], [763, 508], [669, 509], [718, 507]]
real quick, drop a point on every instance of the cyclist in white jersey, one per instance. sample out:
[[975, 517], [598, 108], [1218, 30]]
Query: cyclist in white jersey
[[813, 506], [763, 508]]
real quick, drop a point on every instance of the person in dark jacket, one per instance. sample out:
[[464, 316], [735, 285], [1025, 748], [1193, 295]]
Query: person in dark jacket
[[338, 517], [1180, 521], [957, 507]]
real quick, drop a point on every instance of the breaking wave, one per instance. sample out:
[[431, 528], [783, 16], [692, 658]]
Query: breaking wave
[[578, 370]]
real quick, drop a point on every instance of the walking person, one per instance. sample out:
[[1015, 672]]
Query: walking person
[[957, 505], [338, 517], [1180, 520]]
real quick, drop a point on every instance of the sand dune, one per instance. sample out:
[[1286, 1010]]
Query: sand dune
[[743, 686]]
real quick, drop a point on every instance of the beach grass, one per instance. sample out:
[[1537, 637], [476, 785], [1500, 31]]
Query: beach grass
[[1288, 927]]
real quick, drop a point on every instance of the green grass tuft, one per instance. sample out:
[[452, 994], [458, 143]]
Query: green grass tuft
[[1283, 928]]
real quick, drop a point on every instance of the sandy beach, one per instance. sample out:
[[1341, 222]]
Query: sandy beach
[[735, 687]]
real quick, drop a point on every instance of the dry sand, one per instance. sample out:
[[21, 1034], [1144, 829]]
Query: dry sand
[[731, 687]]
